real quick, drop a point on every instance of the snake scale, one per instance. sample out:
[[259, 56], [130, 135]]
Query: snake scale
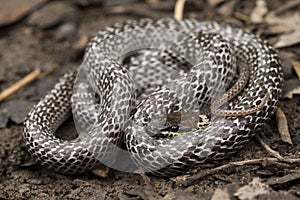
[[233, 72]]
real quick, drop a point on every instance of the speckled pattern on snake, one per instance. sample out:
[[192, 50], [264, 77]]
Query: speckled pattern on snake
[[210, 57]]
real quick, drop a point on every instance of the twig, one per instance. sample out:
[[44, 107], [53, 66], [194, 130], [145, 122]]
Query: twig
[[283, 128], [18, 85], [284, 179], [268, 149], [187, 180], [178, 11]]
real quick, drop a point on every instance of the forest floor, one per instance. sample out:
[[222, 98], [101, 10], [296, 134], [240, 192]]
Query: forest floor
[[52, 35]]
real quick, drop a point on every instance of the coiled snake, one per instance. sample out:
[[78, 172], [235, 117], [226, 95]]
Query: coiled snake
[[211, 55]]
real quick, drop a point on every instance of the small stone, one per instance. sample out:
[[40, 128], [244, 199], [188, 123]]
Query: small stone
[[13, 10], [35, 181], [51, 15], [65, 31]]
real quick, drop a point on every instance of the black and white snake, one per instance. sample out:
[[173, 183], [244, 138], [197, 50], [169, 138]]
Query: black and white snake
[[193, 63]]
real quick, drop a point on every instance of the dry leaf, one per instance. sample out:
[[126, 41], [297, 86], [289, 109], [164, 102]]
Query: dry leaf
[[283, 126], [227, 8], [257, 14], [296, 66], [288, 39], [221, 194], [254, 188], [289, 23], [290, 93]]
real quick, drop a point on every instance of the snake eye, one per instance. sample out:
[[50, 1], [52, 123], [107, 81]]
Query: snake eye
[[174, 128]]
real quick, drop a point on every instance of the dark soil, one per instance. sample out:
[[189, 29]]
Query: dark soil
[[54, 37]]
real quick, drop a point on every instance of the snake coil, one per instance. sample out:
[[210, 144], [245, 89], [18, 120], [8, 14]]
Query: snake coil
[[212, 55]]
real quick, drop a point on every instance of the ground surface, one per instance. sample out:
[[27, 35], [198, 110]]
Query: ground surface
[[52, 36]]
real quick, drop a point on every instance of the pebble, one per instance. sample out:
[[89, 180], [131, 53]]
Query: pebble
[[65, 31], [51, 15], [24, 188], [35, 181], [12, 11]]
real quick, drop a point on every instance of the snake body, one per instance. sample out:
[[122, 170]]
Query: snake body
[[217, 52]]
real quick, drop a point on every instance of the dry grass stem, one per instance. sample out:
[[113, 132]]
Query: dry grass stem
[[18, 85]]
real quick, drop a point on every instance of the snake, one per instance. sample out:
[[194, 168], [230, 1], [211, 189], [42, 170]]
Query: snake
[[185, 68]]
